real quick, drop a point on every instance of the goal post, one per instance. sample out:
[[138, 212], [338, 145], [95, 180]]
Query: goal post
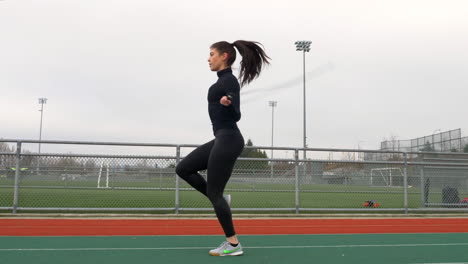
[[385, 175], [106, 168]]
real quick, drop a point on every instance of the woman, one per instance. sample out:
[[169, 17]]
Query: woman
[[219, 155]]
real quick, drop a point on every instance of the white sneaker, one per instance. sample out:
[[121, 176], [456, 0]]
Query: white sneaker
[[226, 249], [227, 197]]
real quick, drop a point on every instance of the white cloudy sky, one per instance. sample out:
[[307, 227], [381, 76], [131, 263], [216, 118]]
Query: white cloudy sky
[[137, 71]]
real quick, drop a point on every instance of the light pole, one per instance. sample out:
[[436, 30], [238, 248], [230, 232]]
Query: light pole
[[42, 101], [304, 46], [273, 105]]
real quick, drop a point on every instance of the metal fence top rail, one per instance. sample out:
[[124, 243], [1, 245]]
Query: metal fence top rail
[[131, 144], [135, 144], [67, 155]]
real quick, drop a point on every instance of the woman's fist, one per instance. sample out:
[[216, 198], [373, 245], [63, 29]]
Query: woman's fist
[[225, 101]]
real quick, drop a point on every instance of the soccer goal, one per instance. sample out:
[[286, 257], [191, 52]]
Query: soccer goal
[[103, 169], [386, 177]]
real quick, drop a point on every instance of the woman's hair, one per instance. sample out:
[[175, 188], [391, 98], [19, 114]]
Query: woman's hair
[[253, 57]]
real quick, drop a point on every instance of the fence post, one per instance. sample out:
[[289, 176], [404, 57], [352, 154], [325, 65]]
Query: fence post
[[296, 157], [177, 204], [422, 187], [17, 176], [405, 183]]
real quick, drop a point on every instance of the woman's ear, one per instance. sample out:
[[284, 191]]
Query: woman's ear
[[224, 57]]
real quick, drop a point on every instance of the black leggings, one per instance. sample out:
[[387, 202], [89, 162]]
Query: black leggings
[[217, 157]]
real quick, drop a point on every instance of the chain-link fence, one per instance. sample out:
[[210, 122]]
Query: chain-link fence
[[464, 144], [448, 141], [130, 180]]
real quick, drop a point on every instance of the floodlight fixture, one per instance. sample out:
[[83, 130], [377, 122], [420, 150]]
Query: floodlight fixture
[[303, 45]]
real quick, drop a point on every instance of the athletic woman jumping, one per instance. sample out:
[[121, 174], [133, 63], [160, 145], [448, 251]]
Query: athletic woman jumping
[[219, 155]]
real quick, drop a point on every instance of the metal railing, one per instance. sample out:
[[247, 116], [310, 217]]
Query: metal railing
[[337, 180]]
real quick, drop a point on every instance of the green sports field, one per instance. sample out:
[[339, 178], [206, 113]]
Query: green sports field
[[159, 193]]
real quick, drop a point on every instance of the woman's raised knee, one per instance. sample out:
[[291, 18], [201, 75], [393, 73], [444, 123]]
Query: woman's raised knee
[[181, 170]]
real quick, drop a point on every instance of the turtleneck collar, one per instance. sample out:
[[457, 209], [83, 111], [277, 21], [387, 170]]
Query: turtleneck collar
[[224, 71]]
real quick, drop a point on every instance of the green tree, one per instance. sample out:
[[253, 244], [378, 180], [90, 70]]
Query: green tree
[[465, 149], [252, 153], [428, 147]]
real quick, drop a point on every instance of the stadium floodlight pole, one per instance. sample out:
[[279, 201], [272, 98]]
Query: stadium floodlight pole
[[42, 101], [273, 105], [304, 46]]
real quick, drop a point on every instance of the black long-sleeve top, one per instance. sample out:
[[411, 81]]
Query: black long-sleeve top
[[224, 116]]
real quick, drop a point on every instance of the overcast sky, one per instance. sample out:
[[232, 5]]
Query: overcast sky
[[137, 71]]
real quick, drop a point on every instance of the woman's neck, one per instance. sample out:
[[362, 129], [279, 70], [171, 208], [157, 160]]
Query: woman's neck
[[223, 68]]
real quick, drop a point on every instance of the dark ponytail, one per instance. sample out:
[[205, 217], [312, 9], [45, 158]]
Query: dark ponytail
[[253, 58]]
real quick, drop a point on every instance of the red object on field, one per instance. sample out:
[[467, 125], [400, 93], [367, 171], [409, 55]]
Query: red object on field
[[465, 200], [371, 203]]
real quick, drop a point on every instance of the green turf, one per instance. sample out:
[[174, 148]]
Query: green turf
[[352, 249], [34, 197], [84, 194]]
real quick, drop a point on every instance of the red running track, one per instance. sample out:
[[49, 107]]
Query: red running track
[[140, 227]]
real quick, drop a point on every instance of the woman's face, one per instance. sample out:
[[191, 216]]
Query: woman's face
[[217, 61]]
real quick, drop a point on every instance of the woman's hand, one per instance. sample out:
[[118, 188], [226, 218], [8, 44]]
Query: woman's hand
[[225, 101]]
